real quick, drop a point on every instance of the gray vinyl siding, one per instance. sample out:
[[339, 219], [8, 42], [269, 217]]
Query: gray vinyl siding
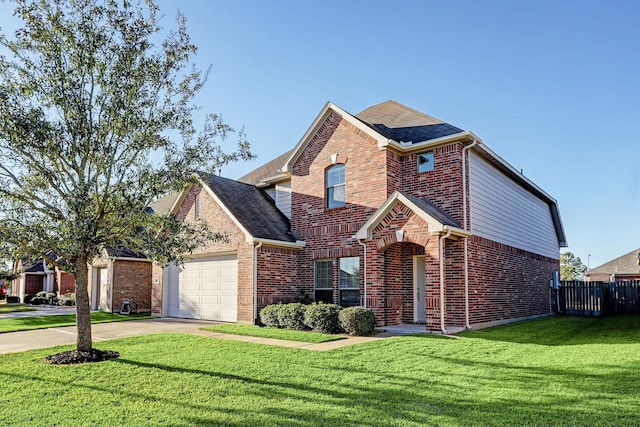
[[281, 195], [505, 212]]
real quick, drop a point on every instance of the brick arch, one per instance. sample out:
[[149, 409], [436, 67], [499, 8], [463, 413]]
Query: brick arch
[[401, 217]]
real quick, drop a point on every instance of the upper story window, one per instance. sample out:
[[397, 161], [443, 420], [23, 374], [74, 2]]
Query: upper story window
[[425, 162], [196, 206], [335, 187]]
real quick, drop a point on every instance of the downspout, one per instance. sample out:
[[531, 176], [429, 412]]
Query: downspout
[[255, 281], [111, 266], [441, 244], [364, 245], [466, 228]]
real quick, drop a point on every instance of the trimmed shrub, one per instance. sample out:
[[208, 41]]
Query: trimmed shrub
[[269, 316], [291, 316], [323, 318], [28, 298], [13, 300], [358, 321], [68, 300]]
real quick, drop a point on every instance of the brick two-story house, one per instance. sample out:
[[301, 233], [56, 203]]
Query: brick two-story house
[[390, 209]]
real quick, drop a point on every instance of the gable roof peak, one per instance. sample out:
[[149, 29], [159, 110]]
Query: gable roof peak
[[404, 124], [394, 112]]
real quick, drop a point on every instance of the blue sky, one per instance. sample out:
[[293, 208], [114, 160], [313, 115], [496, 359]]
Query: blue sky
[[551, 86]]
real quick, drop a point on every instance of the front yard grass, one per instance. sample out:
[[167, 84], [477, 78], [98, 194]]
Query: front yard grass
[[281, 334], [550, 372], [59, 320]]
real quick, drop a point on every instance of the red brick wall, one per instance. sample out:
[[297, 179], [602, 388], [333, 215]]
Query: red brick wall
[[443, 185], [66, 283], [131, 279], [328, 233], [507, 283], [33, 283], [278, 277]]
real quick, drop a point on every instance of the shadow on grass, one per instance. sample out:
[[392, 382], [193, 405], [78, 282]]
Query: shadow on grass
[[563, 330], [403, 381]]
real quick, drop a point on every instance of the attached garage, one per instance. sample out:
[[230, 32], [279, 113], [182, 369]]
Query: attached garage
[[204, 288]]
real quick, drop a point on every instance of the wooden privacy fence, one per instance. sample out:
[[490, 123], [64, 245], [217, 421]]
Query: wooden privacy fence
[[598, 298]]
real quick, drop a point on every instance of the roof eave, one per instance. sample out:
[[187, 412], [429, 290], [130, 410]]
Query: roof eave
[[284, 176], [365, 232], [298, 244], [431, 143]]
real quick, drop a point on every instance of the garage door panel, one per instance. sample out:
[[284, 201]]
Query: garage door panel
[[207, 288]]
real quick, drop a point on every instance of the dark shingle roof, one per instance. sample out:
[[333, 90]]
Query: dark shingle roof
[[253, 208], [434, 211], [626, 264], [267, 170], [404, 124], [34, 266], [122, 252]]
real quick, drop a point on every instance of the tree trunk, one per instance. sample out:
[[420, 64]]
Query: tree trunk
[[83, 309]]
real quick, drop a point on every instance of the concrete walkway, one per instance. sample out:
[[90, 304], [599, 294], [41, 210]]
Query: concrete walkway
[[12, 342]]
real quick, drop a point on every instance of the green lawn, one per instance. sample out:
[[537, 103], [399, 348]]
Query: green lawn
[[559, 371], [11, 308], [58, 320], [281, 334]]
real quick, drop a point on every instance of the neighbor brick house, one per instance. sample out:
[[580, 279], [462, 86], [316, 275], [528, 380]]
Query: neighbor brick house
[[389, 209], [622, 269], [37, 276], [117, 275]]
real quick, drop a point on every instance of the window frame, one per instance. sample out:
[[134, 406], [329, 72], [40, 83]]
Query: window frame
[[348, 283], [429, 162], [327, 280], [330, 187], [196, 207]]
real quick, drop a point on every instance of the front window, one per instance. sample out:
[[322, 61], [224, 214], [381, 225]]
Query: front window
[[425, 162], [335, 187], [196, 206], [324, 281], [349, 281]]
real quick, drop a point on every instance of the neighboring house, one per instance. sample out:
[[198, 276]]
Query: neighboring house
[[118, 275], [390, 209], [621, 269], [37, 276]]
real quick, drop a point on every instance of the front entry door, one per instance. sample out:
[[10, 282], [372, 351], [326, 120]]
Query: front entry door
[[419, 300]]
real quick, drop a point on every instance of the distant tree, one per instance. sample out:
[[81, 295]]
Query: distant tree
[[571, 267], [96, 105]]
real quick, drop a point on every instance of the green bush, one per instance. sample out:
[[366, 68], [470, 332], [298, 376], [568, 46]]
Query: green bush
[[68, 300], [358, 321], [269, 316], [291, 316], [323, 318]]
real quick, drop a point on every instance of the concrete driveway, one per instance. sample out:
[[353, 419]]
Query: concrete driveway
[[12, 342]]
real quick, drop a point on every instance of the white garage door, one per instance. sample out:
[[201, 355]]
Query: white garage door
[[204, 288]]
